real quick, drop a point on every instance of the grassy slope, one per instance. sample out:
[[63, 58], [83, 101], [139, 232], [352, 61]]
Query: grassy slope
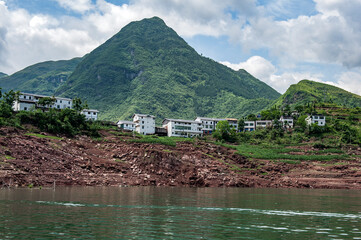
[[309, 91], [41, 78], [148, 68]]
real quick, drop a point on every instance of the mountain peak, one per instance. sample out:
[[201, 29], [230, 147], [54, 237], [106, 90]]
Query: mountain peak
[[148, 68]]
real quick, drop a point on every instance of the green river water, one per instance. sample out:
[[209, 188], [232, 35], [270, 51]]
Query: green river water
[[179, 213]]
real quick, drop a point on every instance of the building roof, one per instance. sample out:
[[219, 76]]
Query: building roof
[[143, 115], [42, 96], [123, 121], [232, 119], [90, 110], [211, 119], [166, 120], [286, 117]]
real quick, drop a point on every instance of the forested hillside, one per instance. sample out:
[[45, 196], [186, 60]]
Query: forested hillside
[[41, 78], [148, 68]]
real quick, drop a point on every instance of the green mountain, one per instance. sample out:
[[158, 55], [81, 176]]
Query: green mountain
[[148, 68], [41, 78], [307, 91], [2, 74]]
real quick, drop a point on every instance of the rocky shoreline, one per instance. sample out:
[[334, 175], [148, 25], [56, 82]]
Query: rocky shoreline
[[43, 160]]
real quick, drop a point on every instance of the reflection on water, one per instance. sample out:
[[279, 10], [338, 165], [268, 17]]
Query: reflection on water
[[179, 213]]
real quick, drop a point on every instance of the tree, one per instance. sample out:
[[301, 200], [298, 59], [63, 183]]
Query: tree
[[277, 124], [7, 101], [241, 125], [299, 108], [45, 102], [225, 132], [301, 123], [78, 104], [251, 117]]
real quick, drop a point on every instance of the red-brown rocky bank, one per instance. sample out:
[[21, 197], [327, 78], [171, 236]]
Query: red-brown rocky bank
[[113, 161]]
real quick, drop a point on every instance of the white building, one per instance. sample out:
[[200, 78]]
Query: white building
[[287, 122], [126, 125], [208, 124], [90, 114], [182, 128], [249, 126], [320, 120], [263, 124], [28, 101], [144, 124], [233, 122]]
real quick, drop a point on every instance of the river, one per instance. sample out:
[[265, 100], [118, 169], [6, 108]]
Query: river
[[179, 213]]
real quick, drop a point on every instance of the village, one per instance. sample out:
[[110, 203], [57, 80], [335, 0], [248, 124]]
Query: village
[[145, 123]]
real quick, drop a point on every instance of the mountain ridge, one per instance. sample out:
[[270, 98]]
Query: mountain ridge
[[148, 68], [41, 78], [3, 75], [307, 91]]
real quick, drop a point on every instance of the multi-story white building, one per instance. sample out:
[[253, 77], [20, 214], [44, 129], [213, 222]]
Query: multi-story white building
[[208, 124], [287, 122], [182, 128], [28, 101], [249, 126], [320, 120], [144, 124], [90, 114], [126, 125], [233, 122], [263, 124]]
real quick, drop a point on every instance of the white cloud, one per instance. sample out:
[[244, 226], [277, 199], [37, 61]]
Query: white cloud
[[331, 36], [267, 72], [43, 37], [80, 6], [350, 81]]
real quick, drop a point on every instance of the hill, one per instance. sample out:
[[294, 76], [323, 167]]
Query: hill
[[307, 91], [148, 68], [2, 74], [41, 78]]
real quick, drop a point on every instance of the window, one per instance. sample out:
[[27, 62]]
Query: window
[[24, 97], [25, 108], [89, 113], [142, 127], [94, 113], [61, 101], [142, 122], [58, 106]]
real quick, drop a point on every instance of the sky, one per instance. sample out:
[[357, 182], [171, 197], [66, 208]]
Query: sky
[[278, 41]]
